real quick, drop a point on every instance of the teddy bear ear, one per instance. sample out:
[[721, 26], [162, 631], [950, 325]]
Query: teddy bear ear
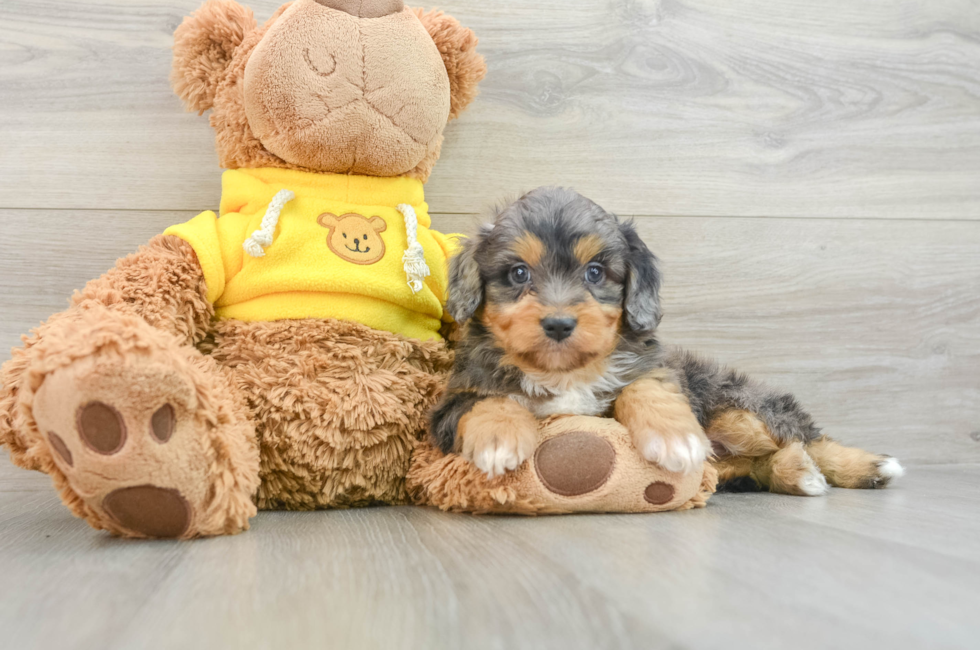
[[457, 45], [204, 45]]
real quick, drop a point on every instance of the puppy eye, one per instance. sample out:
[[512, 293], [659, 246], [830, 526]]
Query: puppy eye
[[594, 273], [520, 274]]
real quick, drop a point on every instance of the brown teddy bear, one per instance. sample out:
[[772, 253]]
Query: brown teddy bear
[[210, 368], [286, 354]]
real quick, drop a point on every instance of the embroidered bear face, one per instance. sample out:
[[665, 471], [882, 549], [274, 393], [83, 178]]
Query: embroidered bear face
[[355, 238]]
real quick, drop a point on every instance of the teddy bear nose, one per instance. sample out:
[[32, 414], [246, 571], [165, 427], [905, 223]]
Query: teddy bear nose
[[365, 8]]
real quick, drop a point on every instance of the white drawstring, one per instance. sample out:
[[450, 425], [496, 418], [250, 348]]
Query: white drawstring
[[262, 238], [413, 260]]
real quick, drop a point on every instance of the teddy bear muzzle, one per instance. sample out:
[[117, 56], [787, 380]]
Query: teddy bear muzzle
[[365, 8]]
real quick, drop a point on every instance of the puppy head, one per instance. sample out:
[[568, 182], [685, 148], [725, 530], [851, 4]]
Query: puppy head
[[556, 280], [344, 86]]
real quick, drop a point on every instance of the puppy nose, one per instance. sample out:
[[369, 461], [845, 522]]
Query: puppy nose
[[365, 8], [559, 328]]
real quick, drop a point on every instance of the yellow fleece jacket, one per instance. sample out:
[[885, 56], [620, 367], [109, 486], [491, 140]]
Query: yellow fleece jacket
[[335, 251]]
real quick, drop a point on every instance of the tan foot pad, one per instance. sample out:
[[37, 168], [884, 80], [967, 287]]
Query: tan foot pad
[[582, 464]]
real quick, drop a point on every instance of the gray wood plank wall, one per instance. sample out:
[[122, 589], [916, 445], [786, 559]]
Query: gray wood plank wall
[[809, 174]]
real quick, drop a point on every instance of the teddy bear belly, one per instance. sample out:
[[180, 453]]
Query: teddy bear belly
[[338, 407]]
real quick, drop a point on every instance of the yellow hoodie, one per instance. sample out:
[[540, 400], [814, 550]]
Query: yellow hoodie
[[295, 244]]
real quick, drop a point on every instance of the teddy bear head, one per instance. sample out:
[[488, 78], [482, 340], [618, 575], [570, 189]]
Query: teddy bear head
[[344, 86]]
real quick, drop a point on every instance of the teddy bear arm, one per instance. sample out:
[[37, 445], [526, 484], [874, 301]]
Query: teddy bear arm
[[163, 283]]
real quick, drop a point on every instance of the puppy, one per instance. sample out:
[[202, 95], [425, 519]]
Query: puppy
[[559, 303]]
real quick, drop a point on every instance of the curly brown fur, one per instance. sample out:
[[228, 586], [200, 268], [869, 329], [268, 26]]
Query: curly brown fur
[[204, 45], [162, 283], [523, 289], [339, 407]]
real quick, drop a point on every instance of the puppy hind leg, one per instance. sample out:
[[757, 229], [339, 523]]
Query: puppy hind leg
[[736, 432], [792, 471], [738, 473], [742, 446], [850, 467], [749, 458]]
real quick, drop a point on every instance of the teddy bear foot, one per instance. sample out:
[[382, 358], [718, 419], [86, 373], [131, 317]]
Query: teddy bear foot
[[581, 464], [151, 448]]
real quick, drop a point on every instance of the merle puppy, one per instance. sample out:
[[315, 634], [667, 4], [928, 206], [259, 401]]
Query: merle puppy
[[558, 301]]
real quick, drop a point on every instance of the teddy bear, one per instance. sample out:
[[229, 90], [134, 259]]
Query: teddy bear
[[285, 354]]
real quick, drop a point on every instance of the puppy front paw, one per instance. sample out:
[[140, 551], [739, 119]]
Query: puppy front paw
[[681, 454], [498, 435], [664, 428]]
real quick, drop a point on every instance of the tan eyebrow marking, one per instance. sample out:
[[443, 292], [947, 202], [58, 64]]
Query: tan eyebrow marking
[[530, 248], [588, 247]]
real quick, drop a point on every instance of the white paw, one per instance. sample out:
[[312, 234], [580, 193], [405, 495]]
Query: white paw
[[682, 455], [499, 456], [813, 483], [890, 468]]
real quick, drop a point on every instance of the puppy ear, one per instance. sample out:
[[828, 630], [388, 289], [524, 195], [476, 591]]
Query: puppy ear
[[457, 45], [204, 45], [327, 220], [642, 300], [465, 283]]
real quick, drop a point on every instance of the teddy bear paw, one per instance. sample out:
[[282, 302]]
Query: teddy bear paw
[[124, 432]]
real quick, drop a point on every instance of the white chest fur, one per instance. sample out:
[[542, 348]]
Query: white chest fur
[[543, 397], [575, 401]]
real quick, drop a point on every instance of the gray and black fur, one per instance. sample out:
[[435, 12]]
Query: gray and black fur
[[481, 275]]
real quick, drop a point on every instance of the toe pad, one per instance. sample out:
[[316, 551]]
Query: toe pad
[[574, 463], [149, 510]]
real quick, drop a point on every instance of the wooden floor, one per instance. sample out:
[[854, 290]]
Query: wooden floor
[[808, 173], [898, 568]]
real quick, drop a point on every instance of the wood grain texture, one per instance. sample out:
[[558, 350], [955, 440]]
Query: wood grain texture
[[664, 107], [876, 328], [896, 568], [854, 126]]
